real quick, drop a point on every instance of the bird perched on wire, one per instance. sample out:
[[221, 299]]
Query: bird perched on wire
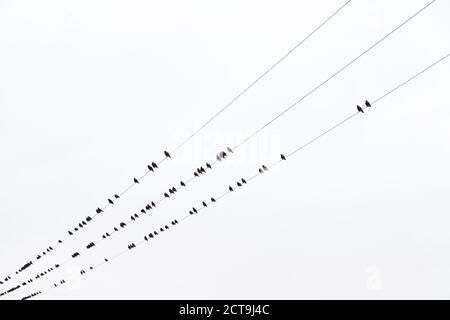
[[136, 180], [166, 195], [171, 191], [136, 215], [204, 204], [283, 157], [174, 189], [150, 168], [195, 210], [244, 181], [202, 170], [208, 165], [360, 109], [218, 158], [368, 105], [153, 204], [265, 168], [195, 174], [229, 150], [98, 210], [182, 184], [260, 170], [167, 154], [230, 188], [148, 207], [213, 200], [116, 196], [88, 218], [143, 211], [70, 233], [110, 201], [154, 165], [239, 184], [132, 218]]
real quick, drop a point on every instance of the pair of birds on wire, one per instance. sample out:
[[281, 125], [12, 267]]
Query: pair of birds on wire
[[360, 109]]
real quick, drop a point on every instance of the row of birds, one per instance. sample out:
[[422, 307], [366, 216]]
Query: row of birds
[[221, 155]]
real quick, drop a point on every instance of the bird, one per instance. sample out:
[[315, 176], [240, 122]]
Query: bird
[[170, 191], [104, 237], [182, 184], [368, 105], [223, 154], [59, 241], [154, 165], [195, 210], [148, 207], [116, 196], [106, 260], [143, 211], [174, 189], [167, 154], [204, 204], [208, 165], [202, 169], [115, 229], [283, 157], [265, 168], [230, 150], [107, 234], [260, 170], [145, 238], [80, 225], [150, 235], [218, 158], [195, 174], [166, 226], [88, 218], [243, 181], [153, 204], [123, 224], [136, 215], [239, 184], [161, 229], [70, 233], [110, 201], [75, 229], [98, 210], [136, 180], [199, 171], [359, 109], [83, 223], [150, 168], [132, 218], [213, 200], [230, 188], [166, 195]]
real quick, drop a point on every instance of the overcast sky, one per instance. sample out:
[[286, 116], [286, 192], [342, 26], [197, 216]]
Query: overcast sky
[[92, 91]]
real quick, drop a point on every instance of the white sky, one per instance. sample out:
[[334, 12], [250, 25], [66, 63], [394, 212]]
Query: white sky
[[92, 91]]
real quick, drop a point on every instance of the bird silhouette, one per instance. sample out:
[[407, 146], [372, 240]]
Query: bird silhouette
[[243, 181], [136, 180], [145, 238], [148, 207], [150, 235], [204, 204], [170, 191], [136, 215], [88, 218], [161, 229], [75, 229], [104, 236], [80, 225], [208, 165], [166, 195], [143, 211], [116, 196], [154, 165], [110, 201], [150, 168], [213, 200], [239, 184], [218, 158], [195, 210], [195, 174], [167, 154], [283, 157], [153, 204], [230, 188], [265, 168], [261, 170], [229, 150], [98, 210], [223, 154], [166, 227], [70, 233], [202, 170], [174, 189], [123, 224], [182, 184], [368, 105], [83, 223], [59, 241], [132, 218], [359, 109], [115, 229]]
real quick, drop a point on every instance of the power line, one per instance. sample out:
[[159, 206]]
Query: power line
[[243, 181], [127, 189]]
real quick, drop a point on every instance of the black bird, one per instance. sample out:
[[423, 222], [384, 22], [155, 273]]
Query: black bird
[[204, 204], [230, 188], [88, 218], [123, 224], [110, 201], [150, 235], [359, 109], [70, 233], [106, 260], [136, 180], [230, 150], [174, 189], [199, 171], [143, 211], [104, 237], [167, 154], [84, 223], [213, 200], [166, 195], [80, 225], [202, 169], [208, 165], [132, 218], [170, 191], [136, 215], [154, 165], [368, 105], [115, 229], [239, 184], [161, 229], [265, 168], [261, 170], [145, 238], [195, 210], [116, 196], [196, 174], [283, 157], [153, 204], [75, 229], [243, 180], [148, 207], [218, 158], [38, 257], [176, 221], [155, 233], [166, 226], [182, 184], [190, 212], [107, 234], [223, 154], [173, 223], [98, 210], [150, 168], [59, 241]]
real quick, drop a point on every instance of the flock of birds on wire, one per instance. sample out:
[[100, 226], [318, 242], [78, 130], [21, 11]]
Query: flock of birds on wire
[[173, 190]]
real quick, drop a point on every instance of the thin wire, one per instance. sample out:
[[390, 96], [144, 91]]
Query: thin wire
[[258, 79], [333, 75]]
